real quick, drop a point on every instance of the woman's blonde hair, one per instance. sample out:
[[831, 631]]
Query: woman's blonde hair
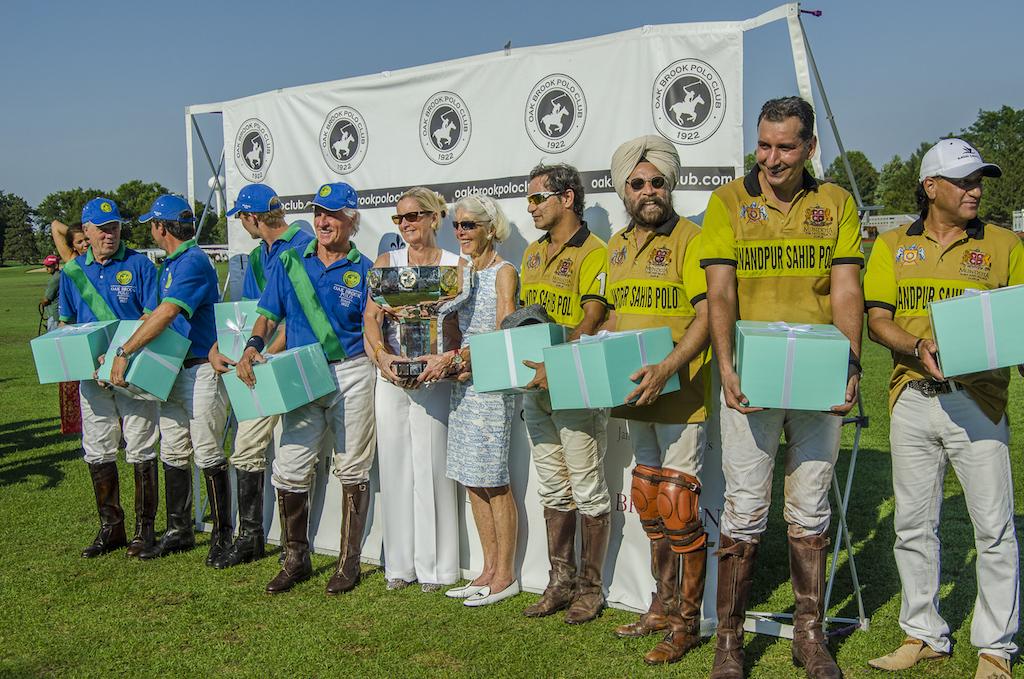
[[429, 200]]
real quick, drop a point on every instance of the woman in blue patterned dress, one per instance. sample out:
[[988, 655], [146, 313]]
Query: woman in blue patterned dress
[[480, 424]]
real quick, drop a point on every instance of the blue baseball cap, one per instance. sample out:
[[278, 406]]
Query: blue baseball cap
[[99, 211], [335, 196], [170, 208], [255, 198]]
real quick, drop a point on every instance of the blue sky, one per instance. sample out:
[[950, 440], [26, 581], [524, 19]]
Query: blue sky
[[95, 92]]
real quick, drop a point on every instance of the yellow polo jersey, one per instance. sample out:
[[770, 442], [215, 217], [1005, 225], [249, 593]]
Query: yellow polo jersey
[[658, 285], [908, 269], [577, 273], [783, 262]]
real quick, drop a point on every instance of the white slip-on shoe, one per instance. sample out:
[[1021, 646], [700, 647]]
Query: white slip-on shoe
[[484, 596], [464, 591]]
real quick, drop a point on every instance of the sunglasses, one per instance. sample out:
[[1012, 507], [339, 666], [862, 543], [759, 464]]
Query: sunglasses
[[538, 198], [964, 184], [411, 216], [466, 226], [657, 182]]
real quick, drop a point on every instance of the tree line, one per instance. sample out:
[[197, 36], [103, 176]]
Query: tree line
[[25, 231]]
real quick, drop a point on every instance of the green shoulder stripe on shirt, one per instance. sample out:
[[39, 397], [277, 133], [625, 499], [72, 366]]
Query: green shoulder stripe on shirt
[[257, 268], [315, 314], [90, 295]]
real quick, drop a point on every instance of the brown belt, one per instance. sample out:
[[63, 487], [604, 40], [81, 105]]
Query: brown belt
[[193, 362]]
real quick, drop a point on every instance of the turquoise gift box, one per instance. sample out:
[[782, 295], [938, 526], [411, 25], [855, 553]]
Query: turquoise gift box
[[796, 366], [234, 326], [153, 369], [979, 330], [594, 371], [286, 381], [497, 357], [71, 353]]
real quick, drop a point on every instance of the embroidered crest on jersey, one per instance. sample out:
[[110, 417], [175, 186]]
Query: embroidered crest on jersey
[[657, 263], [619, 256], [564, 268], [533, 261], [351, 278], [909, 255], [123, 277], [818, 216], [754, 213], [975, 265], [167, 283]]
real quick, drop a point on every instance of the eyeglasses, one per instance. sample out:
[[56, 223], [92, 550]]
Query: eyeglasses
[[964, 184], [466, 226], [657, 182], [411, 216], [538, 198]]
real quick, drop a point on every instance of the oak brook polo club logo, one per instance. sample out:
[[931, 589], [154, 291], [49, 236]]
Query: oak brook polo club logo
[[351, 279], [254, 149], [688, 101], [343, 139], [556, 112], [445, 127], [123, 277]]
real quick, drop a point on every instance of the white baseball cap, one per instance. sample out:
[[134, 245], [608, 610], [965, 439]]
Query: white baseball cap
[[956, 159]]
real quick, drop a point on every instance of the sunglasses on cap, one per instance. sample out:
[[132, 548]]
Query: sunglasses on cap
[[657, 182], [538, 198], [467, 225], [411, 216]]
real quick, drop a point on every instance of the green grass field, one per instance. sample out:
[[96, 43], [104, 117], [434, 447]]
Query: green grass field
[[61, 615]]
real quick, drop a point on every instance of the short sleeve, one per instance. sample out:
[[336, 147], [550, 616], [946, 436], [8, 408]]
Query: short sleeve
[[718, 239], [271, 302], [66, 307], [848, 243], [694, 281], [594, 276], [880, 287], [188, 286], [1016, 268]]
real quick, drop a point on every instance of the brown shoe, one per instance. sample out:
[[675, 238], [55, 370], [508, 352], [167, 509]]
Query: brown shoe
[[355, 505], [561, 589], [992, 667], [108, 504], [147, 497], [663, 568], [736, 560], [909, 652], [589, 586], [294, 509], [684, 620], [807, 568]]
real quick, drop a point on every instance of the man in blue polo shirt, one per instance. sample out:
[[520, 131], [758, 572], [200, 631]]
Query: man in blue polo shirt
[[193, 417], [262, 216], [322, 292], [110, 282]]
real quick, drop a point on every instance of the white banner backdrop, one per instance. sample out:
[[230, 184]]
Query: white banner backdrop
[[480, 124]]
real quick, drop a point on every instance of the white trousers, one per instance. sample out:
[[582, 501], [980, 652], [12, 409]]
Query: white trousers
[[926, 434], [251, 441], [192, 419], [419, 503], [679, 447], [346, 414], [101, 431], [749, 446], [568, 449]]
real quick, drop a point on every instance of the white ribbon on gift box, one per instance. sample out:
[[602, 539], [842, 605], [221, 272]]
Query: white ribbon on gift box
[[510, 356], [236, 328], [600, 337], [791, 331], [69, 331], [302, 376], [986, 321]]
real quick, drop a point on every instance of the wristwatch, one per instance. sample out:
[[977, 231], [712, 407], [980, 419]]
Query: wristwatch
[[124, 354]]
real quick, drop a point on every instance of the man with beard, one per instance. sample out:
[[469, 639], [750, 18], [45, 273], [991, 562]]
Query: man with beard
[[566, 271], [779, 205], [656, 258]]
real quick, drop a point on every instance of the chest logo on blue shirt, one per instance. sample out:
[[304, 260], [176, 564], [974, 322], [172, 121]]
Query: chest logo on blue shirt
[[351, 279], [123, 277], [909, 255], [754, 213], [167, 283]]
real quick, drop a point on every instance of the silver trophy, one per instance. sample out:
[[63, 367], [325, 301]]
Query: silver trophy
[[412, 295]]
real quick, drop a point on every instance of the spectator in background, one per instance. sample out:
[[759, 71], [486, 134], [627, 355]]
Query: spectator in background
[[48, 304]]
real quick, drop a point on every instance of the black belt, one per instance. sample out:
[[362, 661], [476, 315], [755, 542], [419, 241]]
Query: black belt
[[934, 387], [193, 362]]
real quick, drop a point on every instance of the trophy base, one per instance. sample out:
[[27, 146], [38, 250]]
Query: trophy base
[[408, 368]]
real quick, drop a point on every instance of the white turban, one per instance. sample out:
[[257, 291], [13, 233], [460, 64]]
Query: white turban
[[654, 149]]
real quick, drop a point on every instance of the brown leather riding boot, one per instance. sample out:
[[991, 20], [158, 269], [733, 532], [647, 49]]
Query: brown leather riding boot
[[355, 506], [294, 510], [735, 576], [218, 491], [561, 533], [589, 586], [108, 503], [147, 497], [684, 620], [663, 568], [807, 567]]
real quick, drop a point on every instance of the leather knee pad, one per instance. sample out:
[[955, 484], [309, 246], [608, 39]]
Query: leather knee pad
[[677, 505], [645, 500]]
